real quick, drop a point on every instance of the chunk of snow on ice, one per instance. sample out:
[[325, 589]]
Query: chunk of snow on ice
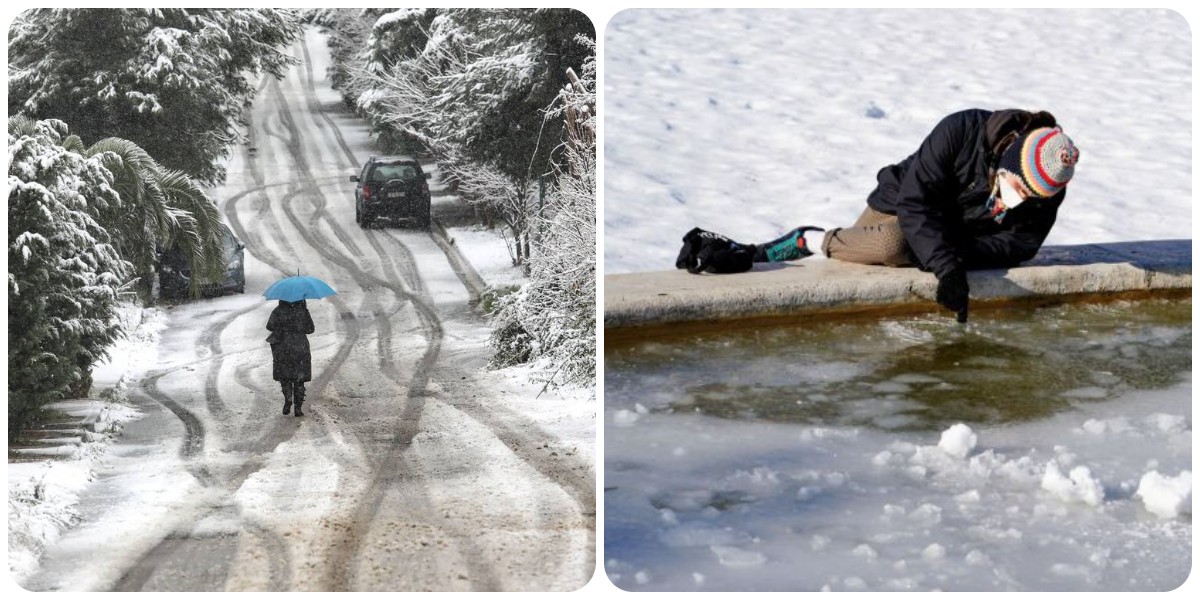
[[1167, 423], [819, 542], [1103, 426], [934, 551], [968, 497], [1080, 487], [1167, 497], [958, 440], [1066, 570], [926, 514], [760, 480], [693, 535], [625, 418], [641, 577], [854, 583], [732, 556], [976, 558], [865, 551], [698, 578]]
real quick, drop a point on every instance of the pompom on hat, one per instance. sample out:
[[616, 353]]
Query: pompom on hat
[[1044, 159]]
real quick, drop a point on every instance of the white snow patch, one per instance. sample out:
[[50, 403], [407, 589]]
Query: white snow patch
[[1165, 496], [959, 440], [732, 556], [1079, 487]]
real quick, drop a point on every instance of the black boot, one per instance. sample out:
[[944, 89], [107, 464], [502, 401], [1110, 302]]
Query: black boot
[[299, 398], [287, 397]]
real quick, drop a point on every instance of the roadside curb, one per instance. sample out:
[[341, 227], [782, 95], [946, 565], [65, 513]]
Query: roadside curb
[[827, 287], [462, 267]]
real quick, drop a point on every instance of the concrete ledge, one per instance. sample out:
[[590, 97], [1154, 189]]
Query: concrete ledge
[[817, 286]]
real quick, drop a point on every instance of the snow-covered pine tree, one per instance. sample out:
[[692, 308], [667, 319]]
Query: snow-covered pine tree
[[64, 274], [173, 81]]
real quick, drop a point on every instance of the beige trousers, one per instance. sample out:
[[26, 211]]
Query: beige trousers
[[874, 239]]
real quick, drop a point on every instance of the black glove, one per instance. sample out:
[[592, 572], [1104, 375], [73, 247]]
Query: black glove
[[712, 252], [953, 291]]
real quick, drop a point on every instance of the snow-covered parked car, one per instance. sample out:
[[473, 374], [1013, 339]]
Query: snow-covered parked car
[[174, 276], [393, 188]]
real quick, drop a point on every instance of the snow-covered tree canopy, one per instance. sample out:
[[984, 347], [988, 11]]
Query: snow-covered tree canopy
[[173, 81]]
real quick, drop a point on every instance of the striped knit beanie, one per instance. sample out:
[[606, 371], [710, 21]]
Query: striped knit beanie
[[1044, 159]]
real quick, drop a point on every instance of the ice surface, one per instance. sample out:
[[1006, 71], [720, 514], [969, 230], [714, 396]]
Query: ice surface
[[718, 479]]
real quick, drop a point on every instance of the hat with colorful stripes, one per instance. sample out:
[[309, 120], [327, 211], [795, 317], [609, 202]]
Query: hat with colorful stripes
[[1044, 159]]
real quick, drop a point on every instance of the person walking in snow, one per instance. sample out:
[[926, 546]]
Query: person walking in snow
[[290, 325], [982, 191]]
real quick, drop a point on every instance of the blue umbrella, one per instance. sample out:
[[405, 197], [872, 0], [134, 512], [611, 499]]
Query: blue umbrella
[[300, 287]]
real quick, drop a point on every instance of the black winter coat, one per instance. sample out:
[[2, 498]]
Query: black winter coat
[[940, 195], [289, 325]]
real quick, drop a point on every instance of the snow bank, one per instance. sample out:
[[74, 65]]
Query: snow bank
[[43, 495]]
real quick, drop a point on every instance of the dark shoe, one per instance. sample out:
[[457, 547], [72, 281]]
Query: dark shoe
[[287, 406], [299, 413]]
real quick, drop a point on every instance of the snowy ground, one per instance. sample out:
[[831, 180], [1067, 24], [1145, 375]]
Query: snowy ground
[[750, 122], [42, 494]]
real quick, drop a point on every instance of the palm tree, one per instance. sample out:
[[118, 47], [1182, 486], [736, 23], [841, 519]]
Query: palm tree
[[159, 208]]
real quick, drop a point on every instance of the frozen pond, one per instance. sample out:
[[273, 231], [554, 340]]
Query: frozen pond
[[1035, 449]]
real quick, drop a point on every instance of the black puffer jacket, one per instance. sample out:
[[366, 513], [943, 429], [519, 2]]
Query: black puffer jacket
[[290, 325], [940, 194]]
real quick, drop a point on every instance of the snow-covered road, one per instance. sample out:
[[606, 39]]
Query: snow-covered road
[[414, 468]]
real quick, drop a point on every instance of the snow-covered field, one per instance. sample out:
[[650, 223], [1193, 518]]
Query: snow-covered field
[[750, 122]]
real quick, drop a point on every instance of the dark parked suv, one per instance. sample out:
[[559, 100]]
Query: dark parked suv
[[174, 274], [392, 188]]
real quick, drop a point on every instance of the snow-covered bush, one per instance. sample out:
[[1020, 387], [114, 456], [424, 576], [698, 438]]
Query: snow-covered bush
[[554, 315], [64, 273]]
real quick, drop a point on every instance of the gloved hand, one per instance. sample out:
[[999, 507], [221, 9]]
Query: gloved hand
[[953, 292], [705, 251]]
